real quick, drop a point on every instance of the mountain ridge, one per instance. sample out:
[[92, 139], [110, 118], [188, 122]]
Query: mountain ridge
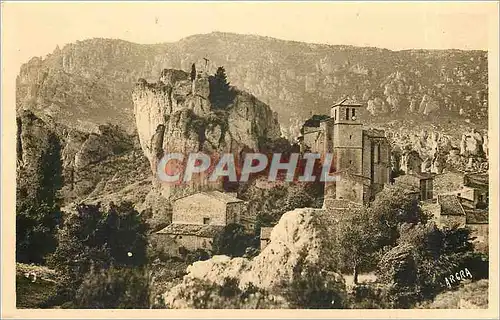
[[89, 82]]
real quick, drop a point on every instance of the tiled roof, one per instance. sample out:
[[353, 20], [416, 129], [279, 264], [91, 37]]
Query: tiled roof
[[423, 175], [476, 216], [200, 230], [221, 196], [450, 205], [374, 133], [477, 181], [348, 102]]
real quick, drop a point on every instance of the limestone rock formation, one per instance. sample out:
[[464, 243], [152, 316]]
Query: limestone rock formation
[[485, 145], [439, 147], [92, 165], [472, 144], [300, 239], [38, 161], [176, 115]]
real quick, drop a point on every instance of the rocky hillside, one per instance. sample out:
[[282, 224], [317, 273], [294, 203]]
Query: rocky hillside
[[107, 163], [90, 82]]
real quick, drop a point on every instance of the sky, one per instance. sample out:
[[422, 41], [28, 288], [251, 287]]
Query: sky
[[34, 28]]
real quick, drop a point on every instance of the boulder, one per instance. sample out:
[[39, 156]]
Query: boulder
[[300, 239]]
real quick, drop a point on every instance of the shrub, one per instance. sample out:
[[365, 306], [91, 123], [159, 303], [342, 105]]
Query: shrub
[[122, 288], [232, 241], [416, 269], [367, 297], [313, 288], [98, 237]]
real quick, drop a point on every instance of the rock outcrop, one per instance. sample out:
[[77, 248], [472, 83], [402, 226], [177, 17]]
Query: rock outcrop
[[176, 115], [38, 159], [436, 149], [88, 166], [300, 239]]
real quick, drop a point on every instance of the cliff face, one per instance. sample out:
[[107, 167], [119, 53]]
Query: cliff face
[[439, 147], [84, 165], [175, 115]]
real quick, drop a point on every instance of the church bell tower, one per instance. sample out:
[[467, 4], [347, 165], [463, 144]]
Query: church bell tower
[[345, 141], [347, 137]]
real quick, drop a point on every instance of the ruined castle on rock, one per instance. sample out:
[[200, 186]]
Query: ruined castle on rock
[[361, 157]]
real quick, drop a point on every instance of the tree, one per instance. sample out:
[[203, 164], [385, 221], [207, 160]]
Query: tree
[[416, 268], [314, 288], [193, 72], [392, 207], [97, 237], [122, 288], [232, 241], [354, 245], [363, 233], [221, 93], [37, 200]]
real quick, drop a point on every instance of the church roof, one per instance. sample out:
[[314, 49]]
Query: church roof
[[348, 102]]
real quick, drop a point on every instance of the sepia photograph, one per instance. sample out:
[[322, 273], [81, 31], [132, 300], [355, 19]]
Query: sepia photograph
[[250, 155]]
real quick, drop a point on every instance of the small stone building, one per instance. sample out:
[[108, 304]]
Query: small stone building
[[477, 222], [421, 184], [188, 236], [265, 236], [451, 213], [448, 182], [476, 190], [198, 218]]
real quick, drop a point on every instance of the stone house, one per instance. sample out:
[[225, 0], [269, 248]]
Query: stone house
[[198, 218], [471, 188], [463, 206], [361, 157], [451, 213], [420, 184], [448, 182], [477, 222], [187, 236], [473, 198], [476, 190]]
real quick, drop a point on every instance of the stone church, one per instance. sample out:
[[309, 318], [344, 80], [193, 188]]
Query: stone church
[[361, 157]]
